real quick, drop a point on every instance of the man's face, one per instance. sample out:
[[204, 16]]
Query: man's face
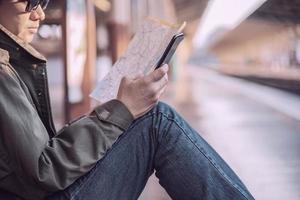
[[21, 23]]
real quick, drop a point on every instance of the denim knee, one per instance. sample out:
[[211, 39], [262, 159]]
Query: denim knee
[[165, 109]]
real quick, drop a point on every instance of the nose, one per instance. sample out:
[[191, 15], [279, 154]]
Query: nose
[[37, 14]]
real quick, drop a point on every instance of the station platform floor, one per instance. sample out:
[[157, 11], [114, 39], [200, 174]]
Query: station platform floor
[[255, 128]]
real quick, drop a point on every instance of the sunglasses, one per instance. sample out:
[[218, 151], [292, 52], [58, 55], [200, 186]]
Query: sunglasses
[[34, 4]]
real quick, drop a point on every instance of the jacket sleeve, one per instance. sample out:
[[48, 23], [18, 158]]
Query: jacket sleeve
[[54, 164]]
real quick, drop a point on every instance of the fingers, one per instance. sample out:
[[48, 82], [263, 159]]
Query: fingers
[[139, 76], [140, 93], [158, 80], [149, 87], [157, 86], [123, 83], [157, 74], [155, 89]]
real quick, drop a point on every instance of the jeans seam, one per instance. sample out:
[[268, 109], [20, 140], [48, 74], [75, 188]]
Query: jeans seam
[[211, 161]]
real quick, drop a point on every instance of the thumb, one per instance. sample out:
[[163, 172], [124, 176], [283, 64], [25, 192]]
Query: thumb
[[124, 80], [138, 76]]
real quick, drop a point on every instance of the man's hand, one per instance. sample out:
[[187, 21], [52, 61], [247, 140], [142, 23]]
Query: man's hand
[[142, 93]]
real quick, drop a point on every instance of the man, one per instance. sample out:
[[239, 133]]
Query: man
[[108, 154]]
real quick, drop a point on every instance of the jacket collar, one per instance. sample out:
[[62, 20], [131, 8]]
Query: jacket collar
[[17, 47], [4, 56]]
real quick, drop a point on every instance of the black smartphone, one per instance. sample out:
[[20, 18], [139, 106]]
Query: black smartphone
[[170, 50]]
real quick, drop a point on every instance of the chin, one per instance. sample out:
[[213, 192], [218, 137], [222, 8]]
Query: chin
[[27, 38]]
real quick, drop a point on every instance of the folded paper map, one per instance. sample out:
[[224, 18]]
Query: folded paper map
[[141, 56]]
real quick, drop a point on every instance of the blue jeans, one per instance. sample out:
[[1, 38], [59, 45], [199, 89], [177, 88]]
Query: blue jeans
[[187, 167]]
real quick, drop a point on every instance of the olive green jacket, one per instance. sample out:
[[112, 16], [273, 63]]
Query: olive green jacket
[[35, 160]]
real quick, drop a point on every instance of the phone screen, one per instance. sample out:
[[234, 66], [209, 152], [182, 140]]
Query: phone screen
[[170, 50]]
